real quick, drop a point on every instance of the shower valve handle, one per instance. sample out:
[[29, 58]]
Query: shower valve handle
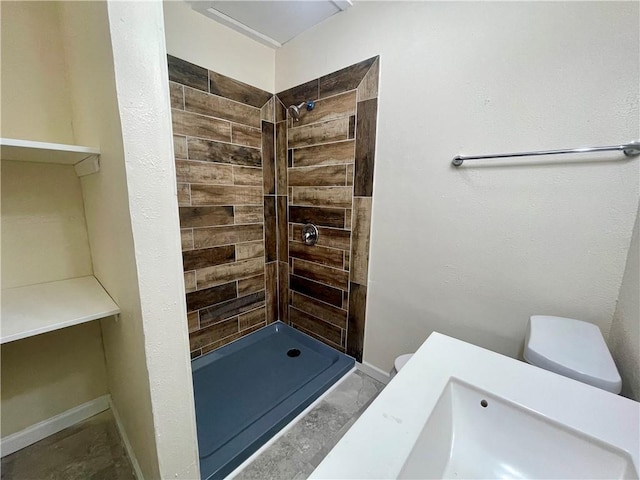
[[310, 234]]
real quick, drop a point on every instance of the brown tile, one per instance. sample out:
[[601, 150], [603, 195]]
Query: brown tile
[[186, 238], [213, 333], [350, 174], [196, 353], [325, 256], [270, 232], [248, 214], [347, 262], [225, 195], [347, 218], [300, 93], [192, 124], [229, 339], [251, 176], [346, 79], [179, 146], [329, 276], [236, 90], [184, 194], [328, 154], [271, 281], [176, 95], [361, 234], [250, 285], [203, 172], [322, 217], [368, 88], [268, 158], [193, 321], [245, 251], [247, 136], [329, 175], [210, 296], [208, 257], [211, 276], [315, 325], [328, 313], [189, 282], [328, 237], [282, 227], [215, 236], [290, 157], [281, 111], [315, 290], [345, 300], [352, 127], [329, 109], [365, 147], [318, 133], [339, 197], [187, 73], [281, 158], [357, 315], [253, 318], [210, 151], [231, 308], [319, 338], [267, 112], [220, 107], [205, 216], [283, 292]]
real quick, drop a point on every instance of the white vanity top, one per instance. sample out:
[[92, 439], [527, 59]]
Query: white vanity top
[[380, 442]]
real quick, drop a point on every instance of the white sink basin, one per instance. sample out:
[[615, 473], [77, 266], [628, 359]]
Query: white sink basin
[[459, 411], [473, 434]]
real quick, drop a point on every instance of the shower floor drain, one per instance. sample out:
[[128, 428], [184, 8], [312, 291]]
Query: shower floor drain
[[294, 352]]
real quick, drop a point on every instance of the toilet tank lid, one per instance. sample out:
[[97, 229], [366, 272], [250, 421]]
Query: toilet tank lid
[[573, 348]]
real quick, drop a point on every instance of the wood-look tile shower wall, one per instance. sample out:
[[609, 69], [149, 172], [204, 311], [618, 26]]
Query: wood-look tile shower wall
[[224, 147], [249, 178], [330, 161]]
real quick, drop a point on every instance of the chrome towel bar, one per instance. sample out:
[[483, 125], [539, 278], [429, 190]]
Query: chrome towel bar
[[631, 149]]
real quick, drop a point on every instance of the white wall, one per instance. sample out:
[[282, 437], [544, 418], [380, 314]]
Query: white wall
[[37, 107], [197, 39], [624, 339], [472, 252], [117, 65]]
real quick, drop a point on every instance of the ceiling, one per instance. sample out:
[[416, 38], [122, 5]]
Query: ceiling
[[272, 23]]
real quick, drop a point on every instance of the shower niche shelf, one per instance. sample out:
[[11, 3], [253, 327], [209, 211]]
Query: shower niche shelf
[[44, 307], [86, 160]]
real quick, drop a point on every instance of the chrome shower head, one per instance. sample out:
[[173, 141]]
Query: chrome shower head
[[296, 110]]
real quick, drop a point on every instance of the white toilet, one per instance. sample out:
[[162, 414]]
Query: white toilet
[[565, 346], [572, 348]]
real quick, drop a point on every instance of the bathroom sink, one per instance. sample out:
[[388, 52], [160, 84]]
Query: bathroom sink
[[473, 434], [459, 411]]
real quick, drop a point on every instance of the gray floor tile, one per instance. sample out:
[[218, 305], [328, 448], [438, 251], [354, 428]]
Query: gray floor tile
[[89, 450]]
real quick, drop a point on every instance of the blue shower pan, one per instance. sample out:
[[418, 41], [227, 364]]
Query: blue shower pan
[[245, 392]]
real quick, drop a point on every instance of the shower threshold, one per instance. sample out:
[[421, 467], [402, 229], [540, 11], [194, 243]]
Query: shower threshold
[[245, 392]]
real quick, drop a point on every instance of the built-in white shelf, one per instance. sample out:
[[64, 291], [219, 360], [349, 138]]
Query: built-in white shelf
[[85, 159], [35, 309]]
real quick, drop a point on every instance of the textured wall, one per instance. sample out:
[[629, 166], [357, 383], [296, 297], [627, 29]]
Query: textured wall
[[472, 252], [624, 339], [327, 180]]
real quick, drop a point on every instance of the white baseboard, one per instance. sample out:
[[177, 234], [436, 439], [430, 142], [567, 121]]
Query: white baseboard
[[374, 372], [41, 430], [125, 440]]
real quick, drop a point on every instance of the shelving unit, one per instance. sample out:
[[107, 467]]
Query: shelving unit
[[86, 160], [41, 308]]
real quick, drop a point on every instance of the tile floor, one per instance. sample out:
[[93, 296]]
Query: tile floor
[[299, 451], [90, 450]]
